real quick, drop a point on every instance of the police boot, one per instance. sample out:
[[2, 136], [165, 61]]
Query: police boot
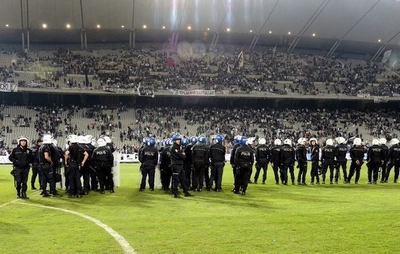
[[176, 195], [188, 194], [24, 196], [33, 186], [18, 194]]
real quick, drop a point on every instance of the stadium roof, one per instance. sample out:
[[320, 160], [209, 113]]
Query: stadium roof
[[319, 22]]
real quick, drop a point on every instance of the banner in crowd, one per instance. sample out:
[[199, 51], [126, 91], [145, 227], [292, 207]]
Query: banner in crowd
[[8, 87], [120, 90], [363, 95], [195, 92]]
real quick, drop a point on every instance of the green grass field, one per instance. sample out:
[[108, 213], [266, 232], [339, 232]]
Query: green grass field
[[270, 219]]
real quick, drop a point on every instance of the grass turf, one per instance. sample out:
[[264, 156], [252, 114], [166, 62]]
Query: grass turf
[[269, 219]]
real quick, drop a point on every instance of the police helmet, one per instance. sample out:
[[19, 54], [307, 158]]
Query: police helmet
[[375, 141], [151, 142], [382, 141], [107, 139], [394, 141], [300, 141], [277, 142], [243, 140], [72, 139], [101, 142], [357, 141], [262, 141], [313, 139], [340, 140], [237, 139], [329, 142], [219, 138], [54, 142], [23, 138], [176, 137], [250, 141], [184, 142], [193, 140], [47, 139], [203, 139], [83, 140], [287, 142]]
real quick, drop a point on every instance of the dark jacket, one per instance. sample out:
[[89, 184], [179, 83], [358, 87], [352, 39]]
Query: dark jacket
[[177, 156], [21, 157]]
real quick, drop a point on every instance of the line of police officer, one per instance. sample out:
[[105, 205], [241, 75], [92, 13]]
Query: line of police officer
[[194, 172], [81, 159]]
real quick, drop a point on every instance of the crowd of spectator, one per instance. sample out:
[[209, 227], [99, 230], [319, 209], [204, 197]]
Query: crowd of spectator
[[149, 70]]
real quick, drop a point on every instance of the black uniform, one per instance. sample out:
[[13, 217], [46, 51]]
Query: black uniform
[[357, 157], [21, 157], [301, 156], [232, 159], [188, 164], [178, 174], [314, 163], [35, 167], [341, 161], [217, 158], [375, 156], [200, 157], [149, 159], [74, 163], [89, 175], [262, 160], [102, 159], [165, 167], [287, 161], [47, 170], [244, 159], [275, 159], [328, 160], [384, 165], [394, 161]]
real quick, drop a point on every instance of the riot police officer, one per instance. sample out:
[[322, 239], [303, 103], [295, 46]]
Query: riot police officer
[[244, 159], [276, 158], [341, 160], [314, 149], [165, 165], [287, 161], [233, 151], [102, 159], [328, 153], [262, 160], [21, 157], [357, 160], [178, 174], [148, 157], [200, 157], [75, 159], [394, 160], [35, 165], [301, 156], [384, 165], [375, 157], [217, 158], [47, 168]]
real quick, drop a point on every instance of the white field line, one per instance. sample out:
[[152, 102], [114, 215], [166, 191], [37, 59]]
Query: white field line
[[119, 238]]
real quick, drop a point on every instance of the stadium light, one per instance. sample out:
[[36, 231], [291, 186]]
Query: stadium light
[[379, 40], [122, 26], [208, 29], [44, 26], [228, 29], [289, 33], [7, 25], [270, 32], [98, 26], [189, 28], [313, 34], [68, 26], [144, 26], [251, 31], [163, 27]]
